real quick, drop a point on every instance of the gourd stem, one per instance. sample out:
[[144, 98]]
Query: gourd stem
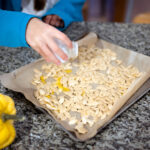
[[6, 117]]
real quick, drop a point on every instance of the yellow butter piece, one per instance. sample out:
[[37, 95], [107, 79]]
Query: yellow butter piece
[[42, 79], [65, 89], [48, 96], [68, 71]]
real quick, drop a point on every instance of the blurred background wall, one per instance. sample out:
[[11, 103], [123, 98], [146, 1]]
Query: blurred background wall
[[137, 11]]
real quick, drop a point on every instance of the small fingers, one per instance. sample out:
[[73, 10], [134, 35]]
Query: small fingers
[[56, 21], [47, 19], [56, 50], [53, 20], [48, 54], [50, 18], [42, 54]]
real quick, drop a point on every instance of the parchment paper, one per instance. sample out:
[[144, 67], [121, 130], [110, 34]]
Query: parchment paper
[[20, 81]]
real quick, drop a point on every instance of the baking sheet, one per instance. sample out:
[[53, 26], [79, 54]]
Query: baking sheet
[[20, 81]]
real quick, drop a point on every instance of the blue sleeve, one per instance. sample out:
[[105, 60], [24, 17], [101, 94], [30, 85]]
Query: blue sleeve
[[13, 28], [68, 10]]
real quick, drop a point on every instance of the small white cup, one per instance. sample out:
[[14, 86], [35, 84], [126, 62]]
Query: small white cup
[[71, 53]]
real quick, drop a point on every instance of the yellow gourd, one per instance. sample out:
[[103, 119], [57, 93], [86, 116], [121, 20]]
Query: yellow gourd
[[7, 114]]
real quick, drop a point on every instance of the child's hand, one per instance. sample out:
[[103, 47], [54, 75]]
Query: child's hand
[[54, 20], [40, 36]]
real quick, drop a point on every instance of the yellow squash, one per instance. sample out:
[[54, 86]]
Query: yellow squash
[[7, 130]]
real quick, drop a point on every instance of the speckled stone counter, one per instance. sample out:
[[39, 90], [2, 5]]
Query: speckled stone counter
[[129, 131]]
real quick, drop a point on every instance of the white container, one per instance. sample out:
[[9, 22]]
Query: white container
[[71, 53]]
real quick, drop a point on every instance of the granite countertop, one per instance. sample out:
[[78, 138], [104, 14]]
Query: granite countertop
[[131, 130]]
